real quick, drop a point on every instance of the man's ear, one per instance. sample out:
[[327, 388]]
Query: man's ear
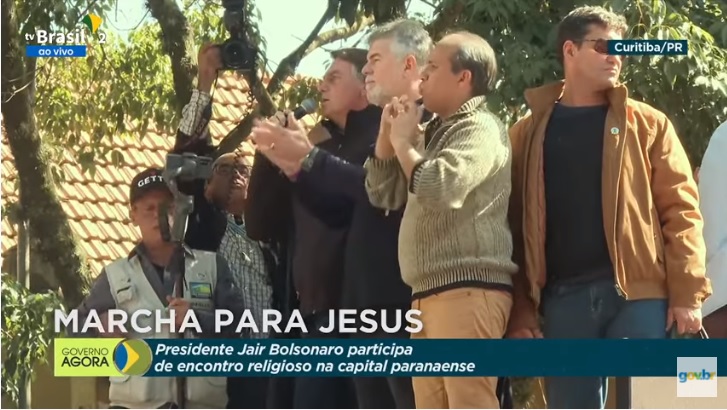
[[410, 63], [465, 76], [132, 215], [569, 48], [208, 194]]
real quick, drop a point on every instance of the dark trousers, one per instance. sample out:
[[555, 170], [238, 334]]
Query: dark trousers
[[384, 392], [281, 393], [323, 392], [594, 311], [281, 390], [247, 392]]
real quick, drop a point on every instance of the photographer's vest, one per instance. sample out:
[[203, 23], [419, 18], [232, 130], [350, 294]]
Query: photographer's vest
[[132, 291]]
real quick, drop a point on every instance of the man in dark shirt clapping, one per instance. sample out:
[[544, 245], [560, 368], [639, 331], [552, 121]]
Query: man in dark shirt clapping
[[282, 210]]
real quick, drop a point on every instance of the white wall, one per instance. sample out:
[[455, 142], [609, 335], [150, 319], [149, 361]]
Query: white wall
[[661, 393]]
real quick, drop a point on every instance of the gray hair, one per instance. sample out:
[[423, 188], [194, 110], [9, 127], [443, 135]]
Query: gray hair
[[408, 37]]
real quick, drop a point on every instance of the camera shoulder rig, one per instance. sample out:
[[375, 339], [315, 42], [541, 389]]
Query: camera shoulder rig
[[178, 169]]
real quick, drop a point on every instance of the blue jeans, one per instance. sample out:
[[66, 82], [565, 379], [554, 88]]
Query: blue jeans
[[594, 311]]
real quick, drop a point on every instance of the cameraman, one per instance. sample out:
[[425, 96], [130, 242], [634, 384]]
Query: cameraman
[[216, 223], [146, 279]]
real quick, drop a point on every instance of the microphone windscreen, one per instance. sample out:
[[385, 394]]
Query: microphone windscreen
[[308, 106]]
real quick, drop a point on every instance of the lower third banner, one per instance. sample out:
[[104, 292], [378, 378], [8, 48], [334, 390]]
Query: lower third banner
[[335, 358]]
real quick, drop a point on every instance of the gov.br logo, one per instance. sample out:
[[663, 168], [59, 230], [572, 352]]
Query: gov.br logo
[[699, 375], [132, 357]]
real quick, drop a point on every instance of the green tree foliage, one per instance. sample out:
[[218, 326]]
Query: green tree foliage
[[49, 226], [57, 15], [96, 96], [82, 103], [380, 10], [121, 82], [691, 90], [52, 106], [27, 332]]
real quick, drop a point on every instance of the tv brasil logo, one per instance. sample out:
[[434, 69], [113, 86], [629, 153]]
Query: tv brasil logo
[[64, 44], [101, 357]]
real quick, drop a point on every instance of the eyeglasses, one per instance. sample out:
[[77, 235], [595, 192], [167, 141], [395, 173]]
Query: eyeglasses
[[230, 169]]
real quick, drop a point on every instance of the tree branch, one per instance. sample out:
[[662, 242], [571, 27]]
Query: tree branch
[[340, 33], [239, 134], [266, 105], [40, 206], [177, 42], [430, 4], [287, 65]]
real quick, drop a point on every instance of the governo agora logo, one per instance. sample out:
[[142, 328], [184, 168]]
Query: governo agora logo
[[133, 357]]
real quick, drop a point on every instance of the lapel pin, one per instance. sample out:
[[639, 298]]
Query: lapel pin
[[614, 131]]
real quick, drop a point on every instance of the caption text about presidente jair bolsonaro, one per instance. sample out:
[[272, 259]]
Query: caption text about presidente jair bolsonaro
[[257, 359], [198, 357]]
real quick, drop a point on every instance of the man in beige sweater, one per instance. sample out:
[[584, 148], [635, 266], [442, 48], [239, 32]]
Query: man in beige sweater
[[455, 245]]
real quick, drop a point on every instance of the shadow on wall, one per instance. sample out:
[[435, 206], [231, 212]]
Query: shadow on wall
[[661, 393]]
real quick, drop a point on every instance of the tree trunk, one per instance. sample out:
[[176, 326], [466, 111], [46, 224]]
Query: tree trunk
[[39, 203], [178, 44]]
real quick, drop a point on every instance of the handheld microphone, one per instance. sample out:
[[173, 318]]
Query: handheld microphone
[[308, 106]]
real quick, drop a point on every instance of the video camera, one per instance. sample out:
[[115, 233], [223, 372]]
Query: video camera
[[237, 52], [181, 168], [178, 169]]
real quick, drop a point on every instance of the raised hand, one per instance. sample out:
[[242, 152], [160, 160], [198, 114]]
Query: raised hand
[[404, 116], [209, 61]]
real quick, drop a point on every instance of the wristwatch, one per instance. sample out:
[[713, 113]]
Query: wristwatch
[[308, 160]]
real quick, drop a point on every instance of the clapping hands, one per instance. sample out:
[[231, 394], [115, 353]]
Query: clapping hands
[[283, 146], [400, 119]]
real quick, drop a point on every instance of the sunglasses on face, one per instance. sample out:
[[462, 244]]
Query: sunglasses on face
[[600, 45], [230, 169]]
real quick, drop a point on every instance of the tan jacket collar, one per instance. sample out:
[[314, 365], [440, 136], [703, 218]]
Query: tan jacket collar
[[543, 97]]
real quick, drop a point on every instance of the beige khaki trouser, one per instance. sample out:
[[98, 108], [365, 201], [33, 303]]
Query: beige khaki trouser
[[464, 313]]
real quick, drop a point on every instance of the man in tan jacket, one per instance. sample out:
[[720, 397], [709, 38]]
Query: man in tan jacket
[[604, 210]]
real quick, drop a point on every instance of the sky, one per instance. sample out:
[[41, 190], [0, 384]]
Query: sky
[[283, 31]]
